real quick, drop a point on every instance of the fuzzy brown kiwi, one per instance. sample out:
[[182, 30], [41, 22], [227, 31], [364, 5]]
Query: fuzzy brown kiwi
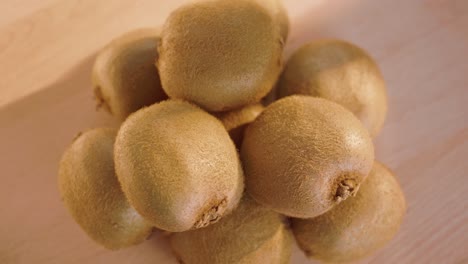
[[303, 155], [279, 13], [283, 18], [92, 194], [236, 121], [124, 76], [357, 227], [221, 55], [251, 234], [341, 72], [177, 166]]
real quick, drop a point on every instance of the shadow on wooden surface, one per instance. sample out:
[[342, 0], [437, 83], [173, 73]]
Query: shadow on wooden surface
[[39, 129]]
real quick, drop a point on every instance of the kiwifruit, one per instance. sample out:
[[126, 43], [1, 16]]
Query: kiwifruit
[[237, 120], [303, 155], [283, 18], [358, 226], [251, 234], [279, 13], [177, 166], [91, 192], [124, 76], [341, 72], [221, 55]]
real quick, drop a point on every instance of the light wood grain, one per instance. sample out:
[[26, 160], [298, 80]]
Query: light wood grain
[[16, 9], [46, 52]]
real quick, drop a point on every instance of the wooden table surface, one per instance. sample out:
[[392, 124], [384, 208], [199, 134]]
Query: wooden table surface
[[46, 51]]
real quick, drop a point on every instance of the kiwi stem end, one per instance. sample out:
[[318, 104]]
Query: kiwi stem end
[[346, 188], [212, 215]]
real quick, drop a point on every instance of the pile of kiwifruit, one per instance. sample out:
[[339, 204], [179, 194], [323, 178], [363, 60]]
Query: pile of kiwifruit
[[230, 151]]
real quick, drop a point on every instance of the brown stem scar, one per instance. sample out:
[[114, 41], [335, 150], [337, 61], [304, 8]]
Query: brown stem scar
[[346, 188], [213, 215]]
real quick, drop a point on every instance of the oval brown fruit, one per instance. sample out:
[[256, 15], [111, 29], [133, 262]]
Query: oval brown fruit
[[340, 72], [251, 234], [177, 166], [280, 15], [303, 155], [357, 227], [221, 55], [92, 194], [124, 76]]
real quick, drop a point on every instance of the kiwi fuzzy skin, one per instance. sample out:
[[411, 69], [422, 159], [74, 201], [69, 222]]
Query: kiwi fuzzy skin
[[303, 155], [357, 227], [177, 166], [92, 194], [236, 121], [124, 76], [283, 19], [341, 72], [279, 13], [219, 72], [251, 234]]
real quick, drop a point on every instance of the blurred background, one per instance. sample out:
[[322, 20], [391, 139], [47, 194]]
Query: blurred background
[[47, 48]]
